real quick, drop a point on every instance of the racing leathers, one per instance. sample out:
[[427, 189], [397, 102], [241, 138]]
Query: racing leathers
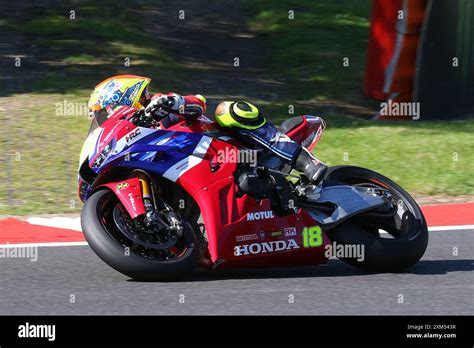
[[281, 145]]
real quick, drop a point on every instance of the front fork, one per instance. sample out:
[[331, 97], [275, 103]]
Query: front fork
[[151, 206], [148, 203]]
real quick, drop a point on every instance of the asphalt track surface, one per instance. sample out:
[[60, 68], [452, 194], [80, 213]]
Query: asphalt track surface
[[441, 283]]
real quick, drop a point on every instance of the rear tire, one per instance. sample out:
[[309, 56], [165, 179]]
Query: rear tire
[[381, 254], [115, 254]]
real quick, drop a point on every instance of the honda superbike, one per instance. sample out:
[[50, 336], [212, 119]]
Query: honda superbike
[[160, 203]]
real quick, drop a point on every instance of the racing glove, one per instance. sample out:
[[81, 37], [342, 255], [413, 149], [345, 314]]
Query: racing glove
[[164, 105]]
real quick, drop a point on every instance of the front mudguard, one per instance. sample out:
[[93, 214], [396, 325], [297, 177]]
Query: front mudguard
[[129, 193]]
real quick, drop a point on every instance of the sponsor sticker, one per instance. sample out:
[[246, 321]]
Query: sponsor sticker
[[265, 247], [122, 186], [132, 201], [260, 215], [289, 231], [246, 237], [132, 135]]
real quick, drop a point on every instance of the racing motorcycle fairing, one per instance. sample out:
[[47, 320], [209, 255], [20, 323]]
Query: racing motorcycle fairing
[[130, 195], [347, 201], [119, 143], [305, 130], [239, 230]]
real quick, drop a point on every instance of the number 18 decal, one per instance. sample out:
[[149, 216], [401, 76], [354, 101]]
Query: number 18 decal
[[312, 237]]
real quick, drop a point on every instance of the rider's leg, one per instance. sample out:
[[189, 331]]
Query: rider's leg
[[312, 168], [281, 145]]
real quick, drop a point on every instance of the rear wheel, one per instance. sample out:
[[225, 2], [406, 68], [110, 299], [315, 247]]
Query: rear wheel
[[391, 242], [130, 247]]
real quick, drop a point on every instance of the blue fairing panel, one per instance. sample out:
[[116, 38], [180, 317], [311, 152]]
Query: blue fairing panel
[[156, 152]]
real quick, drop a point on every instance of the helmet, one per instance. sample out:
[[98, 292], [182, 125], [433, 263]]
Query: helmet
[[239, 114], [128, 90]]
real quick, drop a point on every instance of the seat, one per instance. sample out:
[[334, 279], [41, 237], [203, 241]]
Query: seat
[[291, 123]]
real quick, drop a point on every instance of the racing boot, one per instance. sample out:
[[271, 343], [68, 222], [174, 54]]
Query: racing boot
[[312, 168]]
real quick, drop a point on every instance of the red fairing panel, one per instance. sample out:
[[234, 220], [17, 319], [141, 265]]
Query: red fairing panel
[[130, 195], [232, 222], [270, 241], [308, 132]]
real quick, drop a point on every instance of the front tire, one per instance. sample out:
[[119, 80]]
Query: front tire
[[409, 235], [98, 227]]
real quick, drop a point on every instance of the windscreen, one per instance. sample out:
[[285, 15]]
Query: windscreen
[[97, 120]]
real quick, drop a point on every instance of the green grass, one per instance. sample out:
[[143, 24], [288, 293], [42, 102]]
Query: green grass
[[87, 23], [311, 47], [80, 58], [426, 158], [41, 149], [92, 46]]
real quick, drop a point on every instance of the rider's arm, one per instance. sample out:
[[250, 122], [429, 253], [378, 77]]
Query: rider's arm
[[188, 106]]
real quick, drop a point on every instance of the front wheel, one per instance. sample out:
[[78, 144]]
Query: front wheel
[[390, 243], [137, 254]]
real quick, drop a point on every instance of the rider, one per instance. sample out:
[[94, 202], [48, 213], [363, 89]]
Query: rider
[[249, 126], [241, 118]]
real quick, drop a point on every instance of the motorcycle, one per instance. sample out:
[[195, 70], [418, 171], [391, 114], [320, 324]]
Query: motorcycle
[[159, 203]]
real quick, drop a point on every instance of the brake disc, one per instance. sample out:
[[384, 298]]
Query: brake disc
[[152, 236]]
